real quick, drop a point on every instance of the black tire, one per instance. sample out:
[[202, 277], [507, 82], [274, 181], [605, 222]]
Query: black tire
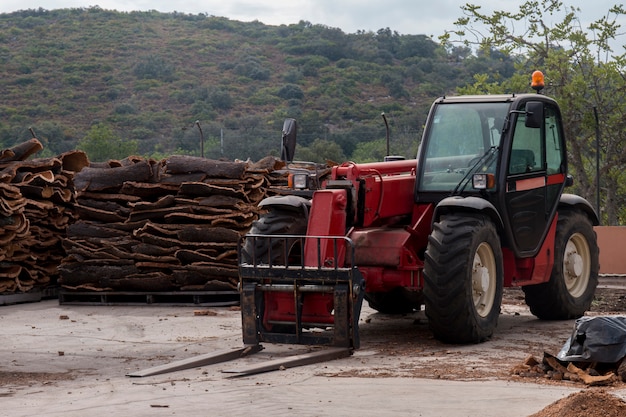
[[463, 278], [275, 222], [574, 278], [395, 301]]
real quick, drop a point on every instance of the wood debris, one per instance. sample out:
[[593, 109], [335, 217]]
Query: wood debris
[[590, 374]]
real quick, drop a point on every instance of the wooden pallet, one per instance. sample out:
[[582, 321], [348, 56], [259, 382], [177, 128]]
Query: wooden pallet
[[174, 298], [32, 296]]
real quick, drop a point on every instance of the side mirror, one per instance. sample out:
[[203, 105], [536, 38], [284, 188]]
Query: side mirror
[[534, 114], [288, 143]]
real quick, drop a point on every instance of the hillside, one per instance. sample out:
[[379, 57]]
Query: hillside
[[149, 76]]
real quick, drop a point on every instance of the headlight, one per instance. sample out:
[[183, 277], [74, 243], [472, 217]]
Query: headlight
[[483, 181], [299, 181]]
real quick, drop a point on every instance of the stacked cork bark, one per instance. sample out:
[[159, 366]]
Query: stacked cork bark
[[132, 225], [37, 204], [169, 225]]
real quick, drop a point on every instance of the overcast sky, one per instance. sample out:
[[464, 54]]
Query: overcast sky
[[405, 16]]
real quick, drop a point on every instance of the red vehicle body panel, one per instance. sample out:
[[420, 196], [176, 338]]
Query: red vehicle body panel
[[386, 244]]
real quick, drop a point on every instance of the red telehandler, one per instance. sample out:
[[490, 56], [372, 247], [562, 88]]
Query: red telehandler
[[481, 208]]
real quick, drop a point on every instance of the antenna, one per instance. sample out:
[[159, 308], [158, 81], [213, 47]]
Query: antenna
[[386, 130]]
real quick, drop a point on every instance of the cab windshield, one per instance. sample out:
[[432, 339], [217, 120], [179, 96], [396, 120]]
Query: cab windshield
[[458, 136]]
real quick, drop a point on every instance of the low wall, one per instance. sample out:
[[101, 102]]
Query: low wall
[[612, 243]]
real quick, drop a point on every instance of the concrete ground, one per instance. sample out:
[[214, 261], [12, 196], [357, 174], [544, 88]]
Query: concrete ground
[[69, 360]]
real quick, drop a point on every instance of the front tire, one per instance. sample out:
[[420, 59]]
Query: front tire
[[276, 221], [275, 251], [571, 288], [463, 278]]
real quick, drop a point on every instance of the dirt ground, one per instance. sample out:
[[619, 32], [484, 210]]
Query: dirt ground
[[610, 299], [585, 404], [518, 335], [82, 353]]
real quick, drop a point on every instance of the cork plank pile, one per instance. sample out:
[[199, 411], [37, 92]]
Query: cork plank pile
[[169, 225], [37, 205]]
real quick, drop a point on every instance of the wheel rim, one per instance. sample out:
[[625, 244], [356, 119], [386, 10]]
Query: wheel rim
[[484, 277], [576, 265], [294, 254]]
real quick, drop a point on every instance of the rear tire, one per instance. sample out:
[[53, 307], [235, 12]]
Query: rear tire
[[571, 288], [463, 278]]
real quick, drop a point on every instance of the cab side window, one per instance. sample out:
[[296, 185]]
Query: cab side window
[[554, 148], [526, 151]]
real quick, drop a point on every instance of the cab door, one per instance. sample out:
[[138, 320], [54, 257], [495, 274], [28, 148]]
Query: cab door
[[535, 176]]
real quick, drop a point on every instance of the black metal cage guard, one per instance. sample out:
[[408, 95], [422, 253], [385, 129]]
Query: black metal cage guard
[[345, 283]]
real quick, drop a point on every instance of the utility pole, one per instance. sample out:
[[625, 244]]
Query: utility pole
[[595, 113], [201, 138]]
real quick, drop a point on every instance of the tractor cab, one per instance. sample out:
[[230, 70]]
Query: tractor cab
[[507, 150]]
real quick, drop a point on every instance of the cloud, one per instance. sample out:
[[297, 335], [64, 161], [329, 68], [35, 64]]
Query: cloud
[[403, 16]]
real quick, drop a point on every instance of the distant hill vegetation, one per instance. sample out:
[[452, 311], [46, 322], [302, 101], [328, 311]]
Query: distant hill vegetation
[[163, 83]]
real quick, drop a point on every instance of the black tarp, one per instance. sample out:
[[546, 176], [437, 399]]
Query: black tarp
[[596, 339]]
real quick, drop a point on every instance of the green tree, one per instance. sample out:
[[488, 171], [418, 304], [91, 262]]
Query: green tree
[[370, 151], [582, 73], [101, 144], [320, 151], [290, 91], [154, 67]]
